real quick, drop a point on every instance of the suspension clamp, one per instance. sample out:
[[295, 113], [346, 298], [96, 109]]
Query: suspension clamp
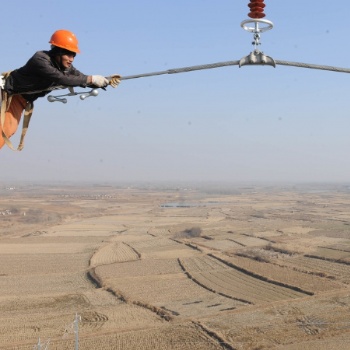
[[257, 58]]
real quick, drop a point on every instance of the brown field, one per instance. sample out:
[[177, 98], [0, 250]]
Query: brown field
[[175, 268]]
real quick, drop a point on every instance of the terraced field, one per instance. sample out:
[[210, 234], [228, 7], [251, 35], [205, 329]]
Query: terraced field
[[233, 283]]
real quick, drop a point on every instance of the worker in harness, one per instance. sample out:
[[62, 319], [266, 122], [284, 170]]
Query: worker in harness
[[44, 71]]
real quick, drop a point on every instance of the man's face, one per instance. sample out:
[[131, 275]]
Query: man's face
[[67, 59]]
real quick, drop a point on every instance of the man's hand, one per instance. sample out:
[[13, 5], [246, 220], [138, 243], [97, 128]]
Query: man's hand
[[114, 80], [99, 81]]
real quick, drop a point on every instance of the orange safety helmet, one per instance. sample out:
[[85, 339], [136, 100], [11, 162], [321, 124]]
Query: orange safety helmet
[[65, 39]]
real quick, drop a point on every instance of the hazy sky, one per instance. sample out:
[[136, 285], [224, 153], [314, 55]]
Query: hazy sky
[[231, 123]]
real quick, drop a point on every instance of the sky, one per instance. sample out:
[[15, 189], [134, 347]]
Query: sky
[[231, 124]]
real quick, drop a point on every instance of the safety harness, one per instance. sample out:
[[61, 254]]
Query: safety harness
[[5, 104]]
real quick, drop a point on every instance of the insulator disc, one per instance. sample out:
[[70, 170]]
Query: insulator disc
[[256, 15], [257, 5], [257, 9]]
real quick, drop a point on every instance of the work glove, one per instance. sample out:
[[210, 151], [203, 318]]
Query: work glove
[[99, 81], [114, 80]]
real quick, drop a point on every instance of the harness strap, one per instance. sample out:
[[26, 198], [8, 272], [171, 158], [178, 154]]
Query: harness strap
[[28, 111]]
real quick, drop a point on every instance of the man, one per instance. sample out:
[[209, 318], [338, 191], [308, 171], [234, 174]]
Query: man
[[43, 71]]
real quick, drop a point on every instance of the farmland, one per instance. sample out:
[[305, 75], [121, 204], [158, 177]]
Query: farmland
[[175, 268]]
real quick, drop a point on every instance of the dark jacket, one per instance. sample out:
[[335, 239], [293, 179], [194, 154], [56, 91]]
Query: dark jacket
[[40, 73]]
